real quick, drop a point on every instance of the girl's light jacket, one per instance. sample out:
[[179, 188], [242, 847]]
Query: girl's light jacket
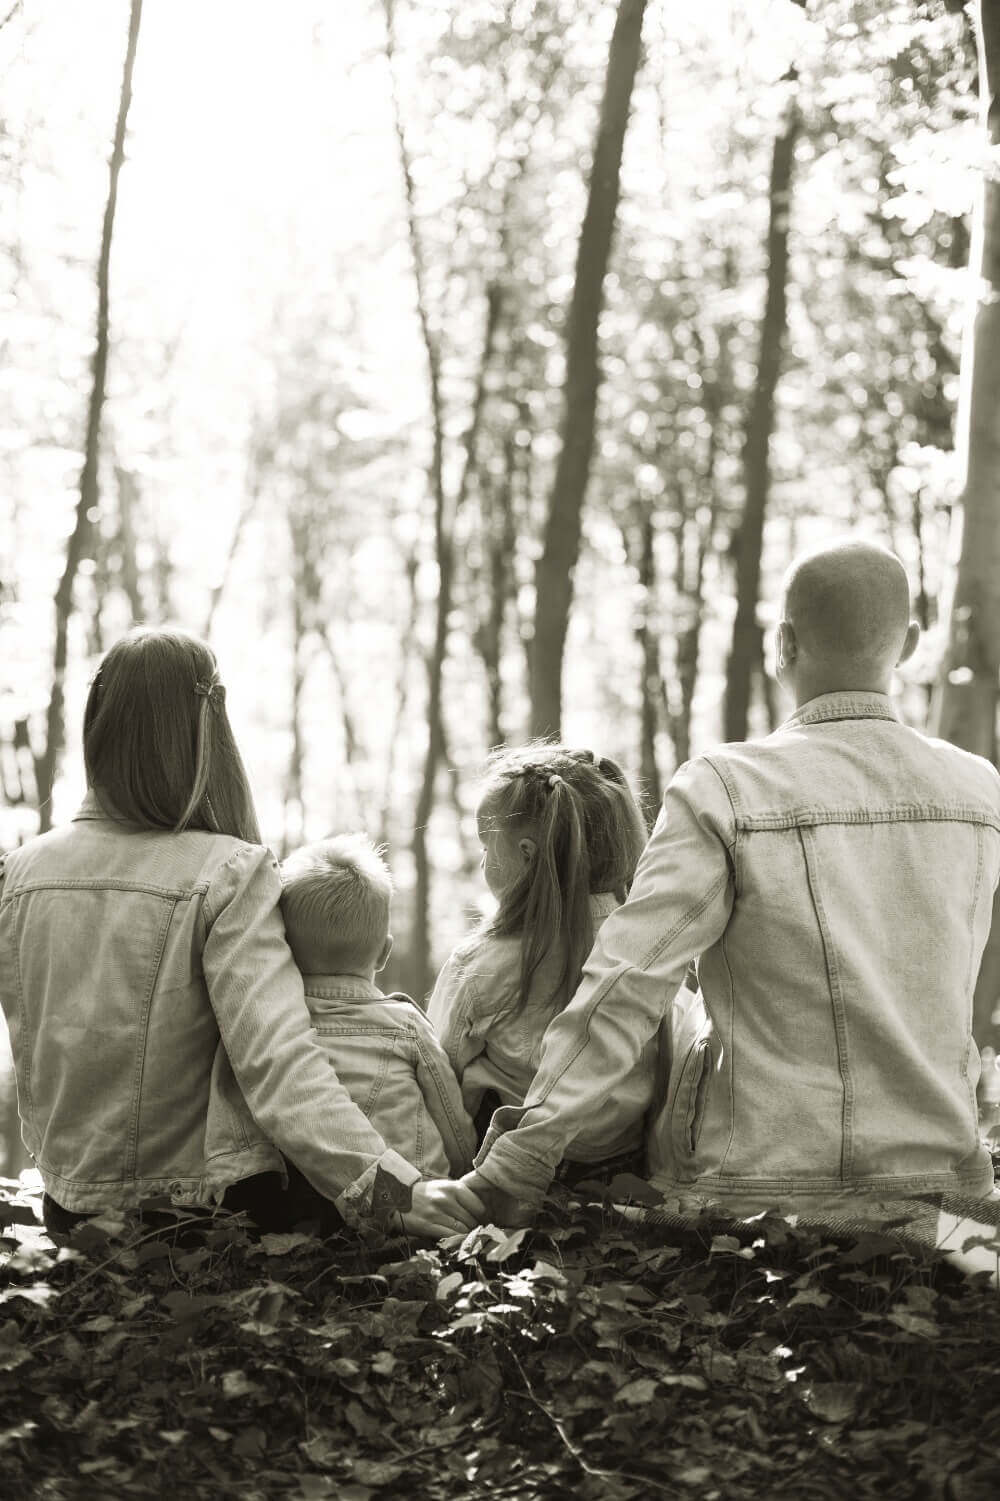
[[835, 881], [160, 1033], [494, 1047]]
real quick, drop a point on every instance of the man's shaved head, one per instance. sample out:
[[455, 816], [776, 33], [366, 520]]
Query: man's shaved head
[[849, 603]]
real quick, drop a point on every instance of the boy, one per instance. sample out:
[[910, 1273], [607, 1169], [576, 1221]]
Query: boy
[[335, 903]]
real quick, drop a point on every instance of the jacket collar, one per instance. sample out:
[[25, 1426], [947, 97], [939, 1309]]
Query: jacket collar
[[341, 988], [849, 705], [92, 808]]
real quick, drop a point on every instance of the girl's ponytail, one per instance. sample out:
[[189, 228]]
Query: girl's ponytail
[[558, 898]]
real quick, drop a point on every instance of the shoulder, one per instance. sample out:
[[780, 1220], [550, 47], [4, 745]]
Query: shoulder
[[482, 955], [231, 868], [976, 773]]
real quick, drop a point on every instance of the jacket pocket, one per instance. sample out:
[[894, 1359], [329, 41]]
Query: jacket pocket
[[689, 1101]]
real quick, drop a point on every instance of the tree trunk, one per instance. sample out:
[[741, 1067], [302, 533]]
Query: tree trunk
[[55, 729], [648, 640], [499, 540], [746, 649], [965, 705], [561, 544]]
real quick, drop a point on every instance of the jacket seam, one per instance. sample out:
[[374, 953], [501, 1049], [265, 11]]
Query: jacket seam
[[109, 883], [807, 841], [897, 813], [142, 1035]]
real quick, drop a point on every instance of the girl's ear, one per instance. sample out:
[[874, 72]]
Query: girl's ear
[[528, 850]]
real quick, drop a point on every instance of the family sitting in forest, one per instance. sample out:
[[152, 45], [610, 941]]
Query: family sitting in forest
[[190, 1019]]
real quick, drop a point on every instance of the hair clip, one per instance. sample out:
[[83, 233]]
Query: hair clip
[[555, 780], [204, 690]]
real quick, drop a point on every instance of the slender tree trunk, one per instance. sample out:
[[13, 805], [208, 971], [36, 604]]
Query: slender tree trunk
[[55, 729], [561, 543], [746, 650], [499, 542], [648, 639], [294, 811], [128, 493], [965, 708], [965, 705]]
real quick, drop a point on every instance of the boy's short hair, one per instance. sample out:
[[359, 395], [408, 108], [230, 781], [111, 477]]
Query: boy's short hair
[[335, 901]]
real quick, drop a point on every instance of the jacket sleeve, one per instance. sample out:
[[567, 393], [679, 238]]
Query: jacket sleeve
[[286, 1078], [456, 1016], [678, 906], [443, 1097]]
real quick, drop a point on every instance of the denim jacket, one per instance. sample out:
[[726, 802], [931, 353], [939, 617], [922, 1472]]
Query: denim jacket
[[494, 1048], [158, 1023], [387, 1057], [836, 880]]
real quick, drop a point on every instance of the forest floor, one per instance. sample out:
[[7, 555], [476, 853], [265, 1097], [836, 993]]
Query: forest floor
[[592, 1357]]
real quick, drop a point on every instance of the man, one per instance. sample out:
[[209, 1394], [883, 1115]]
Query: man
[[835, 881]]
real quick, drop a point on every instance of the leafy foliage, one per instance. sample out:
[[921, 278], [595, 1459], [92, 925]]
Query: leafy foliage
[[593, 1356]]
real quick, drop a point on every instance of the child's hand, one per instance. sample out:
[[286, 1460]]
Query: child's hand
[[500, 1208], [442, 1206]]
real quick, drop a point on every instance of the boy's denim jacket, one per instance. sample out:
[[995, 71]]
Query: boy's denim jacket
[[493, 1047], [158, 1022], [386, 1055], [836, 880]]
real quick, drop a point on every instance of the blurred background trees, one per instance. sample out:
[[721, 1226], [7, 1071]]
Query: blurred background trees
[[359, 322]]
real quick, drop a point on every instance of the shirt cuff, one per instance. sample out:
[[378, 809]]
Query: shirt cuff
[[355, 1203]]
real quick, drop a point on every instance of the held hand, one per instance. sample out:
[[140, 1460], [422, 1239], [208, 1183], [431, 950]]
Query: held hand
[[442, 1206], [499, 1207]]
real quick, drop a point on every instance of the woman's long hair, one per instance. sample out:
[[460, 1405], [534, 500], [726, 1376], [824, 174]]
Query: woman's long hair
[[157, 742], [589, 833]]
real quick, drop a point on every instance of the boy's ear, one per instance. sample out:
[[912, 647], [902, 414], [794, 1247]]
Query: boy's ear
[[528, 849], [909, 643], [383, 958]]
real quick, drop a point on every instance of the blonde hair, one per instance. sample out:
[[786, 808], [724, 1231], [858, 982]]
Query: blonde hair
[[335, 900], [157, 743], [590, 833]]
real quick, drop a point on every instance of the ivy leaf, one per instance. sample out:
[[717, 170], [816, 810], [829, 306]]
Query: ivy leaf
[[506, 1247], [238, 1384], [281, 1245], [832, 1401], [637, 1393], [377, 1472], [914, 1323]]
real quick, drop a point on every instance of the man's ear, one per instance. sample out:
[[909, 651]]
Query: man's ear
[[910, 643], [786, 646], [383, 958], [528, 849]]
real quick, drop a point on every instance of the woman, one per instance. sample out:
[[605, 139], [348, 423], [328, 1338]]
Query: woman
[[159, 1029]]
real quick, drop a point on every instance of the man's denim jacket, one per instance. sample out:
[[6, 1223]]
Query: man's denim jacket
[[158, 1022], [385, 1053], [494, 1047], [836, 880]]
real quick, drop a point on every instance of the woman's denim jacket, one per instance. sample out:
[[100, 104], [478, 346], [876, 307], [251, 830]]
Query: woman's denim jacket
[[158, 1023], [836, 880]]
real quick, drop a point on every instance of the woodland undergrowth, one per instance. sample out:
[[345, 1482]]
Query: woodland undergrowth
[[598, 1356]]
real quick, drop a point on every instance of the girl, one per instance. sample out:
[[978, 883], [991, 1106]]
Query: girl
[[158, 1023], [561, 835]]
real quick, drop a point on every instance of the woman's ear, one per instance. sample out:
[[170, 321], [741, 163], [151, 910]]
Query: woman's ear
[[527, 849]]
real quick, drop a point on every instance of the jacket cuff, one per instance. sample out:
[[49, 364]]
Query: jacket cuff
[[357, 1202], [514, 1171]]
